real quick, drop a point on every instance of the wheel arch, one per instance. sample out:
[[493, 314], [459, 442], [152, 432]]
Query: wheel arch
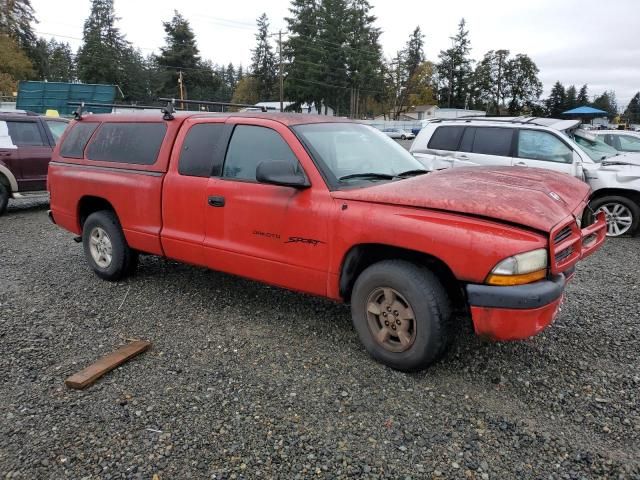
[[89, 204], [361, 256], [8, 179], [619, 192]]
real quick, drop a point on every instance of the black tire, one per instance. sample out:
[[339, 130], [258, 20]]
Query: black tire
[[632, 206], [427, 299], [123, 259], [4, 198], [403, 137]]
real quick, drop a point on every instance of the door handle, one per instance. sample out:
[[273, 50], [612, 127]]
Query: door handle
[[5, 154], [216, 201], [463, 157], [520, 164]]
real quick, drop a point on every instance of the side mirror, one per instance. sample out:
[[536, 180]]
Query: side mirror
[[278, 172]]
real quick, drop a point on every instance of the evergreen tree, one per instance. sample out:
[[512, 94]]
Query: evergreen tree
[[607, 102], [100, 57], [522, 85], [556, 101], [455, 70], [632, 112], [16, 17], [263, 67], [583, 96], [571, 98], [303, 54], [180, 58]]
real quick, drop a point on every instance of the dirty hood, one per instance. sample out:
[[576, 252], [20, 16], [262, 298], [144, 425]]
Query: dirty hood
[[531, 197]]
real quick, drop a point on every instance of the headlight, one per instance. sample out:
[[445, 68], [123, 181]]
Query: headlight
[[520, 269]]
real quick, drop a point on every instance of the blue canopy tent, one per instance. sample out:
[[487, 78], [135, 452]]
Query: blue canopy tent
[[585, 111]]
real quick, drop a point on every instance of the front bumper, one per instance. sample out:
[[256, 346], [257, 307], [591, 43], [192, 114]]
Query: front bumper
[[515, 312]]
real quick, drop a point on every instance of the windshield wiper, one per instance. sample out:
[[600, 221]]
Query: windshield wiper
[[381, 176], [412, 173]]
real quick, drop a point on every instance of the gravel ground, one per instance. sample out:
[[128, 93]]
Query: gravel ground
[[248, 381]]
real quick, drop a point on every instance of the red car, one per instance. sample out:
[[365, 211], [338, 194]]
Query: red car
[[26, 143], [330, 208]]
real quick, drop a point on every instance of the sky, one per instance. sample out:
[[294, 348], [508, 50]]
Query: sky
[[575, 41]]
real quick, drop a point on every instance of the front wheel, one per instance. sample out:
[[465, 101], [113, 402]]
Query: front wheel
[[4, 198], [623, 214], [106, 248], [401, 313], [403, 137]]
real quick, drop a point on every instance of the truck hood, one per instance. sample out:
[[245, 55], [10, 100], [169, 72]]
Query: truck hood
[[632, 159], [531, 197]]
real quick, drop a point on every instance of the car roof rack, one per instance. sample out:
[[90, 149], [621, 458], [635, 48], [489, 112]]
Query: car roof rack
[[518, 120], [175, 101], [28, 113]]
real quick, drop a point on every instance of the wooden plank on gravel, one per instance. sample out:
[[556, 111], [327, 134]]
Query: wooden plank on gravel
[[86, 377]]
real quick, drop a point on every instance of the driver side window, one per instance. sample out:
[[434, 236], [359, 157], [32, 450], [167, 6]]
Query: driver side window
[[250, 146], [540, 145]]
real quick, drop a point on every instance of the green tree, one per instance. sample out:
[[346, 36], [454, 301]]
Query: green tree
[[490, 79], [632, 112], [16, 18], [522, 85], [455, 70], [571, 98], [99, 58], [180, 58], [14, 65], [409, 77], [607, 102], [246, 91], [556, 101], [303, 54], [583, 96], [263, 66]]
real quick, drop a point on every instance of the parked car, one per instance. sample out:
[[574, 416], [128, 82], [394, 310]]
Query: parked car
[[546, 143], [398, 133], [26, 143], [621, 140], [330, 208]]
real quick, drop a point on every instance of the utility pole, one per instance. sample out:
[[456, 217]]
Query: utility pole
[[181, 87], [280, 73]]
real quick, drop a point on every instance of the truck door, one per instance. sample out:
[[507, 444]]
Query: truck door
[[34, 153], [198, 154], [538, 148], [270, 233]]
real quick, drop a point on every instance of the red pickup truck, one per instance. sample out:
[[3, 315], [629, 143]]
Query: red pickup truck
[[330, 208]]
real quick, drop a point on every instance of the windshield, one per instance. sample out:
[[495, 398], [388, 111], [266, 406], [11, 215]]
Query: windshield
[[57, 128], [596, 148], [351, 153]]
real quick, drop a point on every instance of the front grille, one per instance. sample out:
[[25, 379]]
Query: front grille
[[562, 234], [563, 254]]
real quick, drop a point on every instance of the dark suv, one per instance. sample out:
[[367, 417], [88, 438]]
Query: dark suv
[[26, 143]]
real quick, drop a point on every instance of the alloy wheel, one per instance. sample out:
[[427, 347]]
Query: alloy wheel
[[100, 247], [619, 218]]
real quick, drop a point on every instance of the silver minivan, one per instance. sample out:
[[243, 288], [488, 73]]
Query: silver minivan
[[544, 143]]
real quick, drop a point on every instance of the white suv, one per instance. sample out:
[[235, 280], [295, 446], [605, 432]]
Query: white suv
[[547, 143]]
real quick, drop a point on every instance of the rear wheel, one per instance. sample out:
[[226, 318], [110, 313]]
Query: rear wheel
[[401, 313], [622, 213], [403, 137], [4, 198], [106, 248]]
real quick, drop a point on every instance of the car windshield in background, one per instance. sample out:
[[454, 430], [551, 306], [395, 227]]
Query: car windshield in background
[[350, 153], [57, 128], [595, 148]]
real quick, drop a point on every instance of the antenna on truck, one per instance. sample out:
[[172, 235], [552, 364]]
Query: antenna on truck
[[77, 115], [169, 110]]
